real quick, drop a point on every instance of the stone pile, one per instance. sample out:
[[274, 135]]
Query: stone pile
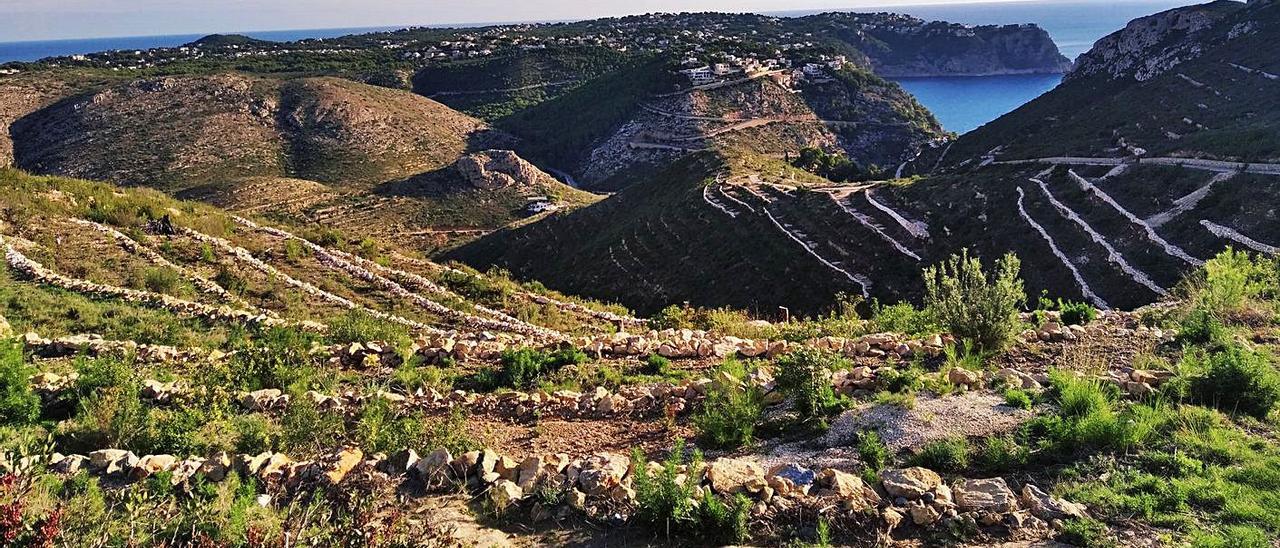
[[38, 273], [94, 345], [688, 343], [602, 484]]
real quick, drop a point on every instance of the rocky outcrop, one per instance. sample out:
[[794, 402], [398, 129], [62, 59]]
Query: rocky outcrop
[[495, 169], [942, 49], [1149, 46]]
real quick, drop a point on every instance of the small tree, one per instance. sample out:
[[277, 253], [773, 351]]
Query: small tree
[[972, 305]]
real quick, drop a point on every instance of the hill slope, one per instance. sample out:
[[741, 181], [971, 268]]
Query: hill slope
[[1195, 82], [367, 160], [179, 131]]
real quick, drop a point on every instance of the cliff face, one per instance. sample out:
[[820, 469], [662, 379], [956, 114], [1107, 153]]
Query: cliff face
[[953, 50], [1150, 46]]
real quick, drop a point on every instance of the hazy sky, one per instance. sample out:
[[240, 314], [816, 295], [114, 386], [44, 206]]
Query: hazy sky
[[53, 19]]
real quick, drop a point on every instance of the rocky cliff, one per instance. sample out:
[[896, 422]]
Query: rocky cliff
[[942, 49], [1152, 45]]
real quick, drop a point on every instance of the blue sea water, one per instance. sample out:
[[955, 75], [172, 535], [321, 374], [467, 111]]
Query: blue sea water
[[961, 104], [964, 103]]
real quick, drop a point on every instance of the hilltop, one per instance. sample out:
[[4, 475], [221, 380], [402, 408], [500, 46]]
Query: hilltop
[[217, 41]]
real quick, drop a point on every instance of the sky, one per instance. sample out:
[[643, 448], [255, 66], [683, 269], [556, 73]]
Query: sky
[[58, 19]]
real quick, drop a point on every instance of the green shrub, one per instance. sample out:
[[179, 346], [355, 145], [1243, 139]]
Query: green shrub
[[277, 357], [804, 375], [972, 305], [381, 428], [524, 367], [872, 451], [720, 523], [1200, 327], [1017, 398], [903, 318], [1238, 380], [1085, 532], [1074, 313], [1231, 282], [999, 454], [900, 380], [657, 365], [665, 498], [162, 280], [359, 326], [293, 251], [452, 433], [1079, 397], [19, 404], [230, 281], [946, 455], [731, 410]]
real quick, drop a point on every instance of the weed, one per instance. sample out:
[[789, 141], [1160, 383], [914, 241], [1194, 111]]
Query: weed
[[947, 455]]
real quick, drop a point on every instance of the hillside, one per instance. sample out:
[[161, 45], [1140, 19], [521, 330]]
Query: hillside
[[175, 132], [174, 374], [1113, 216], [355, 157], [635, 131], [1195, 82]]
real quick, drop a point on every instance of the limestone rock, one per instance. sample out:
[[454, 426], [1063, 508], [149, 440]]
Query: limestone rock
[[911, 483], [505, 493], [992, 495], [1049, 508], [730, 476]]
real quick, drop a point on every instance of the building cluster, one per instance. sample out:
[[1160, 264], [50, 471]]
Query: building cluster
[[717, 46]]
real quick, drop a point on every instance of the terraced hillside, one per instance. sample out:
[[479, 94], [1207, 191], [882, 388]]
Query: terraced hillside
[[177, 375], [1194, 82], [639, 127], [1097, 222]]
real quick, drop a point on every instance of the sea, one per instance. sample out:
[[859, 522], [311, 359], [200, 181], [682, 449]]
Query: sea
[[960, 103]]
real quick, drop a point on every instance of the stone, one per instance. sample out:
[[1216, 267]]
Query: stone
[[215, 469], [991, 495], [342, 463], [796, 475], [101, 458], [70, 464], [435, 468], [891, 518], [923, 514], [731, 476], [530, 472], [151, 464], [911, 483], [602, 472], [1050, 508], [400, 462], [504, 493], [963, 377], [576, 499], [856, 494], [274, 468]]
